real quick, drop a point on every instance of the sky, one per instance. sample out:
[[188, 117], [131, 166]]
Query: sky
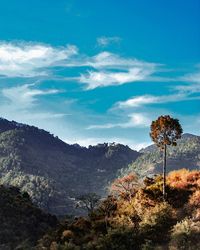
[[100, 71]]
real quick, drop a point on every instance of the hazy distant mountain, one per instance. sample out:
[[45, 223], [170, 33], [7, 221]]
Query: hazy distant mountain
[[185, 155], [54, 172]]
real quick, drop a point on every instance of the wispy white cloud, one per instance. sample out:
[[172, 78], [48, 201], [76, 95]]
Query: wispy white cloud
[[111, 69], [104, 41], [23, 59], [21, 103], [24, 96], [138, 120], [137, 101], [195, 77], [140, 101], [107, 60], [192, 83], [104, 78]]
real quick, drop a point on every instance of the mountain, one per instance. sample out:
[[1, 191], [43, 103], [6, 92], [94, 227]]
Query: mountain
[[22, 224], [185, 155], [53, 172]]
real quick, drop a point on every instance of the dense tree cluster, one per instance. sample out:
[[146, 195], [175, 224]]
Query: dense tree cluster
[[22, 224]]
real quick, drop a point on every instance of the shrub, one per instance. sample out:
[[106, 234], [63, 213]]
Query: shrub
[[175, 195], [67, 234], [184, 179], [156, 222], [125, 187], [186, 235], [123, 239], [126, 215]]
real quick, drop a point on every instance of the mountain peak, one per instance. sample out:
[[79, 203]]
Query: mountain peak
[[189, 136]]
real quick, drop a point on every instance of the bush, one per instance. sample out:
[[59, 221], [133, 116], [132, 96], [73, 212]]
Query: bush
[[184, 179], [185, 235], [156, 222], [126, 215], [176, 195], [123, 239]]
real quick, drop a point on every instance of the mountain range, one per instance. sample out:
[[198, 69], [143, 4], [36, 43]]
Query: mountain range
[[55, 173]]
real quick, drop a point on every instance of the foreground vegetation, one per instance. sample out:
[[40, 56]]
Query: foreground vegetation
[[159, 212], [134, 216], [22, 224]]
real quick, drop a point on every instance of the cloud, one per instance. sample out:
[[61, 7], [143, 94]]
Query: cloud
[[24, 96], [103, 78], [26, 59], [140, 101], [107, 60], [195, 77], [23, 59], [138, 120], [193, 85], [111, 69], [20, 103], [105, 41]]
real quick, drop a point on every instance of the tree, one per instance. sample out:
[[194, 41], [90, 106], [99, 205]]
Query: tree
[[165, 131], [125, 186], [107, 207], [88, 202]]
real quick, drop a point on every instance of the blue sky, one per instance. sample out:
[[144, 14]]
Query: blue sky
[[100, 71]]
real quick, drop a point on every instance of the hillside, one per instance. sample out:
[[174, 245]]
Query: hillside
[[137, 218], [22, 224], [185, 155], [53, 172]]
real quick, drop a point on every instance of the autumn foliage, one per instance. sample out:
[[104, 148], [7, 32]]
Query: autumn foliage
[[184, 178], [135, 216], [165, 131], [126, 186]]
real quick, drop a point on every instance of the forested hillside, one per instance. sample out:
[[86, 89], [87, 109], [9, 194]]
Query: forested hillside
[[185, 155], [53, 172]]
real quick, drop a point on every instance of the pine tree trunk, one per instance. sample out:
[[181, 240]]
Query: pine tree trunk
[[164, 170]]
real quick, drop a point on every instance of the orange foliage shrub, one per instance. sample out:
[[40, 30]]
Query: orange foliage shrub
[[195, 199], [126, 215], [67, 234], [184, 178], [126, 186]]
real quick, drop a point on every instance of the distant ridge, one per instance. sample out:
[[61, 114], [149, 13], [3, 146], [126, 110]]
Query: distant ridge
[[185, 155]]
